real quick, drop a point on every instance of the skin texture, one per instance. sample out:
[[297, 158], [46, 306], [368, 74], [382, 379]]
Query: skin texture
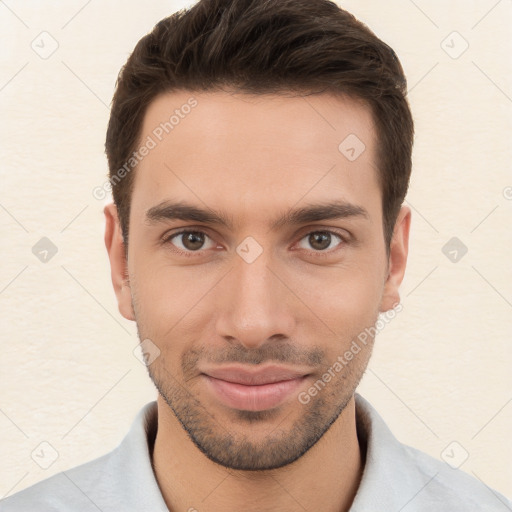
[[300, 303]]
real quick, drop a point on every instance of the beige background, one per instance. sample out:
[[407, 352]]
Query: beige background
[[441, 369]]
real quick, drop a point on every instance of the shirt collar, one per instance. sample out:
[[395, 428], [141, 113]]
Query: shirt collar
[[133, 456], [388, 481]]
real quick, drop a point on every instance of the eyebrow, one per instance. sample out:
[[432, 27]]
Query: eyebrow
[[168, 210]]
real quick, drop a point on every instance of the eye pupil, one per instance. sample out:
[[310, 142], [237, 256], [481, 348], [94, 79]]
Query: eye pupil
[[193, 240], [321, 238]]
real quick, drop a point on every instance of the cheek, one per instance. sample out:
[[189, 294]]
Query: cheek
[[169, 299], [344, 305], [176, 302]]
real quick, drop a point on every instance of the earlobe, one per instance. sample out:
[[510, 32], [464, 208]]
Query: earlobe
[[397, 260], [118, 263]]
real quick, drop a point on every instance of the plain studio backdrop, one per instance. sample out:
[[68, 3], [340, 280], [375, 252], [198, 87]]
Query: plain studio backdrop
[[71, 380]]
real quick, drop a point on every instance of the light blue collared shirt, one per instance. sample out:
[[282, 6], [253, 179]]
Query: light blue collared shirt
[[396, 478]]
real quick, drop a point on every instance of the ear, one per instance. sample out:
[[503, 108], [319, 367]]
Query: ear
[[118, 264], [397, 260]]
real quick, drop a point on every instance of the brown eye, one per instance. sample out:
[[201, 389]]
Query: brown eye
[[321, 241], [189, 241], [192, 240]]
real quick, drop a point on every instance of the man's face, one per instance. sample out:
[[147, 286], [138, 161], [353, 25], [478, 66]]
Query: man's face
[[249, 313]]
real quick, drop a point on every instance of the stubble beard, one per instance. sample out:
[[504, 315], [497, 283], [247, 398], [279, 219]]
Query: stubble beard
[[219, 441]]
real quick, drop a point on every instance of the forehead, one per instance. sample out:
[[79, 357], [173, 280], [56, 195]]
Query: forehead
[[247, 153]]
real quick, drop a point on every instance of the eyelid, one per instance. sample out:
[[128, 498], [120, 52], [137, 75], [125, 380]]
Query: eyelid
[[342, 233], [169, 236], [344, 236]]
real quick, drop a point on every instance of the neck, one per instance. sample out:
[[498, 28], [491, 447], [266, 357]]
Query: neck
[[324, 478]]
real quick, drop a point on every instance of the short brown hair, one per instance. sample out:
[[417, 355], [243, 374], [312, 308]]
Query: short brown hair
[[259, 47]]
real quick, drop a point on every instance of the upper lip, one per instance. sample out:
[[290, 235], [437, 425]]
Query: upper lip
[[254, 376]]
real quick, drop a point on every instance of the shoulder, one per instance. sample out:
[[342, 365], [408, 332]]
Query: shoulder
[[122, 479], [63, 490], [448, 489], [400, 477]]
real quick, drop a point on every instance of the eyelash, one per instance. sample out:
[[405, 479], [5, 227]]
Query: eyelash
[[190, 254]]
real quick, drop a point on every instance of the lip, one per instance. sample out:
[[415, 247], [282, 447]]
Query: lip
[[256, 389], [254, 376]]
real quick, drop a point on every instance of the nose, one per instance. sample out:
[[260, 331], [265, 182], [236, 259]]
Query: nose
[[255, 305]]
